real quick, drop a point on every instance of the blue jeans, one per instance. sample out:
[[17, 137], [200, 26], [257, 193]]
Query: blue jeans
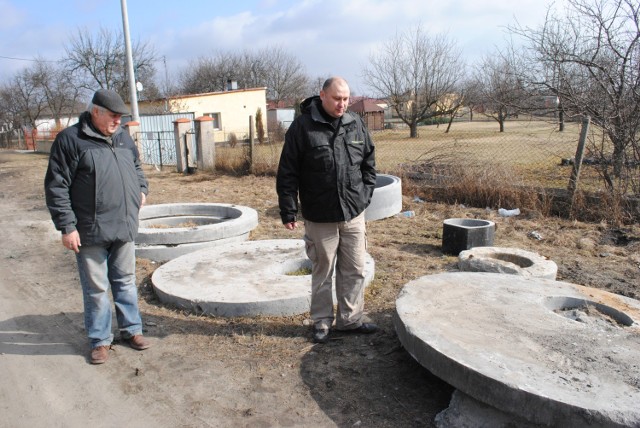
[[112, 266]]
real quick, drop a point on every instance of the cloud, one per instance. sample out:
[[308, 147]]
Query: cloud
[[12, 16]]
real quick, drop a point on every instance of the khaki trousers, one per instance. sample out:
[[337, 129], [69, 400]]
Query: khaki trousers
[[341, 248]]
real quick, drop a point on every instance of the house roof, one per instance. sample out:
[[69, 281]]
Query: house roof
[[365, 105], [214, 93], [281, 104]]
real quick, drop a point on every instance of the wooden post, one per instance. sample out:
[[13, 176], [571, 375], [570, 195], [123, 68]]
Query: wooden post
[[577, 164], [251, 138]]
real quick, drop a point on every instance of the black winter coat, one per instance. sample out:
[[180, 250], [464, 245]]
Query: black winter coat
[[332, 171], [93, 185]]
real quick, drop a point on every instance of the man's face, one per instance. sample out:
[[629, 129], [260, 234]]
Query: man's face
[[335, 99], [105, 121]]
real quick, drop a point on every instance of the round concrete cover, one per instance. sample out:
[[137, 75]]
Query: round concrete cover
[[244, 279], [552, 352]]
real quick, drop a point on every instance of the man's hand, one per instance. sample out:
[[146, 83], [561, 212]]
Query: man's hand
[[291, 226], [72, 241], [143, 199]]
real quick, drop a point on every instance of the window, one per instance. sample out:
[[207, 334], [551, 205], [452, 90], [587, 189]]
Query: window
[[216, 120]]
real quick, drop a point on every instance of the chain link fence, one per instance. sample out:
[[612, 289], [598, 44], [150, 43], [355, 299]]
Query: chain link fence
[[529, 152]]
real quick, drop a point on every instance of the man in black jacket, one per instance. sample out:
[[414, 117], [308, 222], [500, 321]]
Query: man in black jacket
[[328, 162], [94, 189]]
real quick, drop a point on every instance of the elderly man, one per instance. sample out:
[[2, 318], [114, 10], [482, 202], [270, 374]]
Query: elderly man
[[328, 161], [94, 189]]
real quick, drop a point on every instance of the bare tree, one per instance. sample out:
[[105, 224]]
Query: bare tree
[[60, 92], [41, 90], [590, 59], [11, 109], [98, 60], [284, 75], [499, 88], [415, 73], [274, 68], [315, 85], [24, 99], [472, 96], [211, 74]]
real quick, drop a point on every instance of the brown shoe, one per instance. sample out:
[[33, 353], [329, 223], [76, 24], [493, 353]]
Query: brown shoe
[[100, 354], [138, 342]]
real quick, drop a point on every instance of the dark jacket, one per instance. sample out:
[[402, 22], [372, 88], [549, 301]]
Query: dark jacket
[[331, 170], [93, 184]]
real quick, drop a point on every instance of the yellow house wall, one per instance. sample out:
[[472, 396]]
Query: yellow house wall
[[234, 107]]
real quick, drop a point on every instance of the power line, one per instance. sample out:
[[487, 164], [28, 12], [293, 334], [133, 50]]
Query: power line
[[25, 59]]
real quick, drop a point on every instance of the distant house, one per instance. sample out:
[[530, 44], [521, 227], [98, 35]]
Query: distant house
[[280, 114], [280, 117], [370, 111], [230, 110], [48, 124]]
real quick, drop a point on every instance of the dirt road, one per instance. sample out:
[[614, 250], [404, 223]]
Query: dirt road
[[199, 373], [243, 372]]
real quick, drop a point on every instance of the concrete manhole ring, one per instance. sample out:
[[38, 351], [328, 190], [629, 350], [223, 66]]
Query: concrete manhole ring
[[249, 278], [174, 224], [507, 260], [386, 200], [164, 253], [551, 352]]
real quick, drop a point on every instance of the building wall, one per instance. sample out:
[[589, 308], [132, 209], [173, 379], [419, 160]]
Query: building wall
[[282, 116], [234, 108], [49, 124]]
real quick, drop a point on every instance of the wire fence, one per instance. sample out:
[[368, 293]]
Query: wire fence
[[530, 152]]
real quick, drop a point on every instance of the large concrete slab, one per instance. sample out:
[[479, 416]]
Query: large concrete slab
[[555, 353], [243, 279]]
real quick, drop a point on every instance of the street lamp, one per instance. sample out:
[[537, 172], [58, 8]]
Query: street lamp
[[135, 116]]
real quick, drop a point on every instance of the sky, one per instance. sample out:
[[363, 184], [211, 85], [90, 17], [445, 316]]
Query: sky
[[329, 37]]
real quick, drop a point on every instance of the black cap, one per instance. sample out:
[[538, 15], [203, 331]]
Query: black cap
[[110, 100]]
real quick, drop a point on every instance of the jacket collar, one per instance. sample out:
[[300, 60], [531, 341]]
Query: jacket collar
[[87, 127], [314, 104]]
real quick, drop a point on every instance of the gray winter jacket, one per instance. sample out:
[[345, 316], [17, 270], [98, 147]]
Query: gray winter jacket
[[93, 184]]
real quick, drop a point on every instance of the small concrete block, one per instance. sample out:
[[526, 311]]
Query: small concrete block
[[461, 234]]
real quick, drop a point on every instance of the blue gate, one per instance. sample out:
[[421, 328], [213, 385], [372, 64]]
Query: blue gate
[[157, 142]]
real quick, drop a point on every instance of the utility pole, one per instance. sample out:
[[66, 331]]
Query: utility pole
[[135, 116]]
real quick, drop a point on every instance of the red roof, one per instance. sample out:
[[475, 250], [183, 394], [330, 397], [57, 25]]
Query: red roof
[[365, 105]]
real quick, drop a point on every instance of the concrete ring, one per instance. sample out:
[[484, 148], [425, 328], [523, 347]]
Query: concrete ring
[[507, 260], [251, 278], [204, 222], [386, 200]]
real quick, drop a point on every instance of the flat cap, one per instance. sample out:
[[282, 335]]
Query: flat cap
[[110, 100]]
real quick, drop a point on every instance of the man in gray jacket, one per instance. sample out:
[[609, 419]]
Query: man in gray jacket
[[328, 162], [94, 189]]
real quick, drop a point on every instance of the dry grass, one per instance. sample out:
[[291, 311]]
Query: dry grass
[[527, 146], [473, 163]]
